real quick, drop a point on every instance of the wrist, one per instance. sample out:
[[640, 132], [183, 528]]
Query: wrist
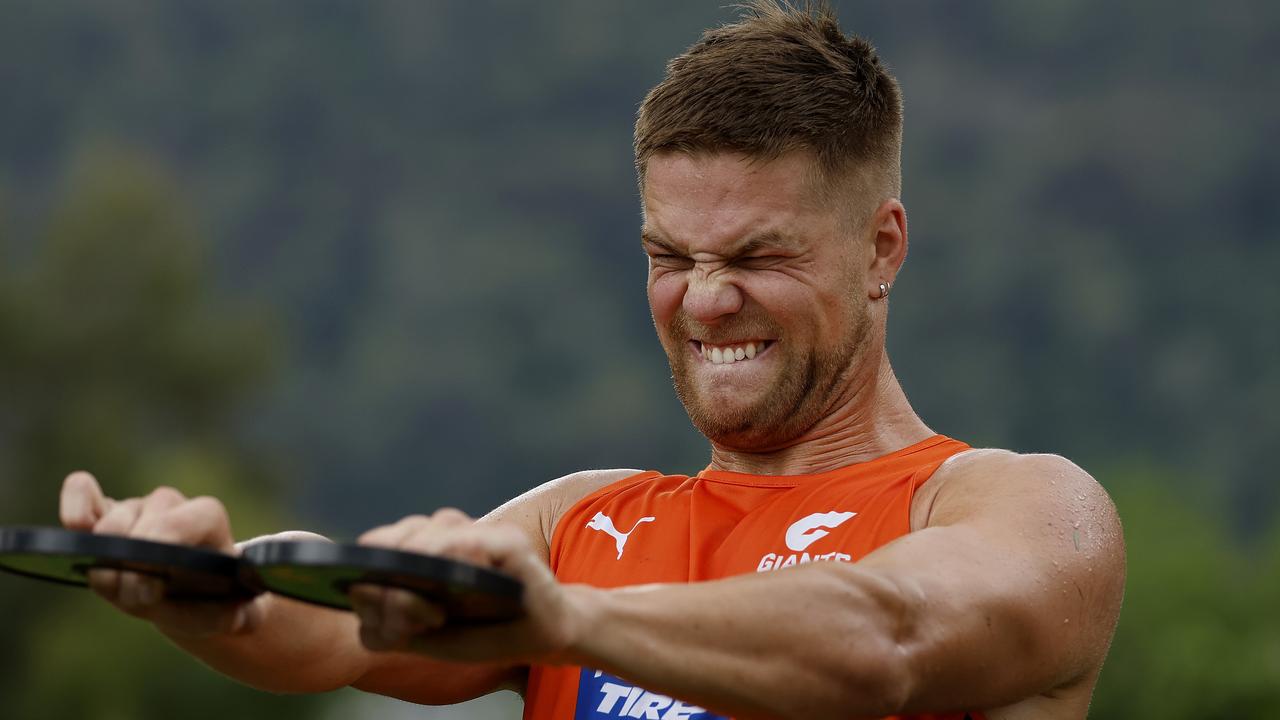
[[585, 608]]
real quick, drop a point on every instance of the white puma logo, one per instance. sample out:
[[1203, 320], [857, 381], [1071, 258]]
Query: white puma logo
[[807, 530], [604, 524]]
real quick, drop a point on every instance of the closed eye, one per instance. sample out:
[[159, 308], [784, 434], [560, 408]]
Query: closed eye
[[760, 262], [671, 261]]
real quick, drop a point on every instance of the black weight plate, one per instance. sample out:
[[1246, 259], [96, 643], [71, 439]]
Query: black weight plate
[[321, 573], [64, 556]]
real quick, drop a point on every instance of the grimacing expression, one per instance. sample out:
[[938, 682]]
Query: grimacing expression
[[755, 290]]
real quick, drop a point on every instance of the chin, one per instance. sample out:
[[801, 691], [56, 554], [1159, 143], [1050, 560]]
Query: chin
[[755, 438], [750, 427], [768, 420]]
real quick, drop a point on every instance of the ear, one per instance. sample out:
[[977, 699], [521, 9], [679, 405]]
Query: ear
[[888, 230]]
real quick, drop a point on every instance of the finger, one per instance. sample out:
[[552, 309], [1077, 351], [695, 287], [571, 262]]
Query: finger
[[142, 596], [200, 521], [130, 592], [81, 503], [119, 520], [127, 591], [476, 544], [138, 593], [484, 544], [366, 602], [106, 583], [509, 550], [448, 533], [390, 616], [451, 517], [506, 548], [154, 506], [392, 535], [427, 539], [161, 499], [405, 614], [466, 544]]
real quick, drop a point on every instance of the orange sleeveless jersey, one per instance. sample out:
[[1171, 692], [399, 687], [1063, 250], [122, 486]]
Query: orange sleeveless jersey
[[654, 528]]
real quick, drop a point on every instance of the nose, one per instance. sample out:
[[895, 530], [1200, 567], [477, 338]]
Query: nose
[[710, 297]]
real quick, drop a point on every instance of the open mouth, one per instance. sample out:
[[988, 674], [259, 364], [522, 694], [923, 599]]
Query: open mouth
[[730, 353]]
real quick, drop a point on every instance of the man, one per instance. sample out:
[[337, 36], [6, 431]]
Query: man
[[836, 559]]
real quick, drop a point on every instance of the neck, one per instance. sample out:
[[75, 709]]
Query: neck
[[874, 420]]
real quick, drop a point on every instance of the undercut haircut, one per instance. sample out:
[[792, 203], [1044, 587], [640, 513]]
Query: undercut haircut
[[781, 78]]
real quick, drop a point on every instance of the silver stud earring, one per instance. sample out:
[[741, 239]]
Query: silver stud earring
[[884, 291]]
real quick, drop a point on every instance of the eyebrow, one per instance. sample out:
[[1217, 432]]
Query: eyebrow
[[770, 238], [649, 237]]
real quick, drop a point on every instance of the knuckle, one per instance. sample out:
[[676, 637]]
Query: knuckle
[[400, 602], [104, 582], [415, 520], [378, 536], [365, 595], [128, 598], [166, 527], [207, 505], [450, 515], [468, 546], [429, 540], [119, 519], [165, 494]]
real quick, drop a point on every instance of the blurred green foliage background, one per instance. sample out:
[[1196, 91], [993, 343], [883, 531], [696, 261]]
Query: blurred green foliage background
[[334, 261]]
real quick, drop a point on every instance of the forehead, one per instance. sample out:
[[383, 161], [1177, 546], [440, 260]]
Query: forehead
[[716, 198]]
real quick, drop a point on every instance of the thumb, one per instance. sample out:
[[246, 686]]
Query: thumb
[[82, 502]]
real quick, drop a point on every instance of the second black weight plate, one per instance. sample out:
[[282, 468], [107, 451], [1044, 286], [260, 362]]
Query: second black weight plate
[[321, 573]]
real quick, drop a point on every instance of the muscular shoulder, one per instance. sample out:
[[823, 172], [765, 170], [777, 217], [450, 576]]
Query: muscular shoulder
[[1037, 498], [987, 477], [1047, 517], [538, 510]]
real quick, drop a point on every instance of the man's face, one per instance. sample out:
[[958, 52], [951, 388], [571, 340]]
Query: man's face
[[756, 289]]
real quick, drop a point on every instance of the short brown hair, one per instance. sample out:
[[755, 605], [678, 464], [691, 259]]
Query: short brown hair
[[782, 78]]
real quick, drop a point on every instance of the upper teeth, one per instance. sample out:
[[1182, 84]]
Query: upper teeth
[[722, 355]]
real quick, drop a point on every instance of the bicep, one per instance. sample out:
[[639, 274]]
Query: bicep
[[1014, 587]]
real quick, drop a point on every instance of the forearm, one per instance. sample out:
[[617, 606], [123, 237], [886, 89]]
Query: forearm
[[818, 642], [292, 648], [300, 648]]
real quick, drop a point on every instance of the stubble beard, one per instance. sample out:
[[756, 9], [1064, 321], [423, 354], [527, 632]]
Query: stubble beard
[[810, 383]]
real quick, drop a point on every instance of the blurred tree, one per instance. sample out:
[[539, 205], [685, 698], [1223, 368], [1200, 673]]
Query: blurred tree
[[1199, 636], [113, 358]]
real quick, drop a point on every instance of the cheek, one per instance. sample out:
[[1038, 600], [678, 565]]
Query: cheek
[[782, 297], [801, 309], [666, 293]]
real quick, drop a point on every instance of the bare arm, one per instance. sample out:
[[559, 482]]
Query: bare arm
[[1012, 590], [269, 642], [273, 643]]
